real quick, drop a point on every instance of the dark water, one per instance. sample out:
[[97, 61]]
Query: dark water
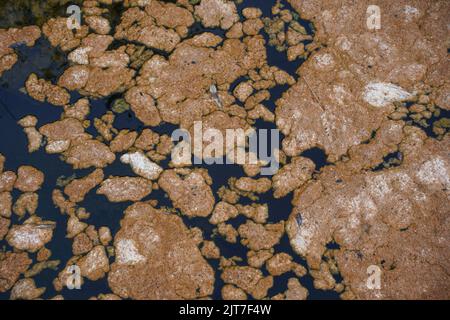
[[49, 63]]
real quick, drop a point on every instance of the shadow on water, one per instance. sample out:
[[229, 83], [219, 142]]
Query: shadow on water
[[42, 59], [19, 13], [317, 155]]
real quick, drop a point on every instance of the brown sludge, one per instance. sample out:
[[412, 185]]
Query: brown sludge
[[372, 103]]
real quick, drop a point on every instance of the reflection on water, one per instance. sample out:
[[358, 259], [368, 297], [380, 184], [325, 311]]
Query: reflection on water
[[18, 13]]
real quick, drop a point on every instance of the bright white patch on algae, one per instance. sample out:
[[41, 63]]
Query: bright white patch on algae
[[435, 171], [324, 60], [25, 238], [80, 55], [380, 94], [141, 165], [303, 237], [29, 237], [127, 253], [410, 12], [57, 146]]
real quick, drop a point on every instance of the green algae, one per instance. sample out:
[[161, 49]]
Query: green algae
[[63, 181], [120, 106], [40, 266]]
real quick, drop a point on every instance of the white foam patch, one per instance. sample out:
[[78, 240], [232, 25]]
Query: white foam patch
[[435, 171], [57, 146], [141, 165], [303, 237], [127, 253], [80, 55], [410, 12], [27, 237], [324, 60], [380, 94]]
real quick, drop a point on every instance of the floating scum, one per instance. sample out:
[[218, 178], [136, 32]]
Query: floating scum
[[166, 117]]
